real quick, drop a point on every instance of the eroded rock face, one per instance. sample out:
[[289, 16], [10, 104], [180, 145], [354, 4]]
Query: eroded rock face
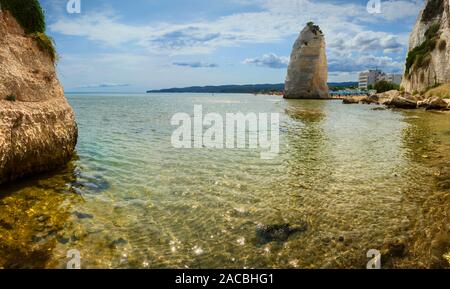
[[435, 67], [37, 131], [307, 74]]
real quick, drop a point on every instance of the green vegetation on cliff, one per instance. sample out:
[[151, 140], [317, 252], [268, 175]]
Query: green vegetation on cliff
[[46, 43], [420, 56], [434, 9], [314, 28], [27, 12], [31, 17], [10, 98]]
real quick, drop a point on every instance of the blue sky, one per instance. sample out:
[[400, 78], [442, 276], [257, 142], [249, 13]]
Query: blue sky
[[116, 45]]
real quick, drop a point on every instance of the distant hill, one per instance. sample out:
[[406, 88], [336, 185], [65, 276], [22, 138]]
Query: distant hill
[[249, 88]]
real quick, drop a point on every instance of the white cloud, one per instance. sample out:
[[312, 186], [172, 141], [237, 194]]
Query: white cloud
[[270, 60], [395, 10], [365, 41], [354, 40], [352, 64], [196, 64], [105, 85], [342, 23]]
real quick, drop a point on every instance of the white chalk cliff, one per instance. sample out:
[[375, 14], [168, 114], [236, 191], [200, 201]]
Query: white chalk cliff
[[307, 74], [38, 130], [429, 48]]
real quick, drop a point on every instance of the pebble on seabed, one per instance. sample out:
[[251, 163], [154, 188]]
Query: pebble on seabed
[[197, 250], [241, 241]]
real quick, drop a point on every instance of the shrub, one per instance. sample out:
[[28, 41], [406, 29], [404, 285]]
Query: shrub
[[420, 55], [45, 43], [28, 13], [433, 9], [30, 16], [10, 98], [314, 28], [433, 30], [383, 86]]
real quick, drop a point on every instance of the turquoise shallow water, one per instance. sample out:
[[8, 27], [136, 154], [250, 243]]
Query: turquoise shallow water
[[356, 176]]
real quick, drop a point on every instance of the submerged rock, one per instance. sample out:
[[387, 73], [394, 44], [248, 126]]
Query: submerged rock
[[443, 178], [279, 232], [118, 242], [83, 215], [90, 184], [307, 73], [350, 100], [439, 248], [396, 249], [37, 126]]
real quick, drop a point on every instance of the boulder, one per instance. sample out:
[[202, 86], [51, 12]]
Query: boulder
[[389, 94], [433, 103], [371, 99], [436, 103], [385, 98], [422, 103], [401, 102], [307, 73], [350, 100]]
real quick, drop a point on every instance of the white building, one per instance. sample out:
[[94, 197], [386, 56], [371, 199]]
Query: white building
[[392, 77], [370, 77]]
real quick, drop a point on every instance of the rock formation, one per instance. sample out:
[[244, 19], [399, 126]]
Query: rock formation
[[428, 61], [37, 126], [308, 68]]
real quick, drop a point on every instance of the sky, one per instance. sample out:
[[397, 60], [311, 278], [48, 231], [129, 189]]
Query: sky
[[134, 46]]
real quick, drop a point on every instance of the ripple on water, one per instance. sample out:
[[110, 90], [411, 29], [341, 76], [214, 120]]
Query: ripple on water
[[356, 179]]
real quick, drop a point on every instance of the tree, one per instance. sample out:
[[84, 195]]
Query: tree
[[383, 86]]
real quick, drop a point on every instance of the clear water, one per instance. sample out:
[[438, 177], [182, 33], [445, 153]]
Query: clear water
[[359, 178]]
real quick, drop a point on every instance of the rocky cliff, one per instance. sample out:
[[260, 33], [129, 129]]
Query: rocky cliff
[[37, 126], [308, 68], [428, 61]]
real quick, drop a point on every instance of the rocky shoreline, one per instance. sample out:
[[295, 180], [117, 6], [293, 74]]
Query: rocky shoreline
[[403, 100]]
